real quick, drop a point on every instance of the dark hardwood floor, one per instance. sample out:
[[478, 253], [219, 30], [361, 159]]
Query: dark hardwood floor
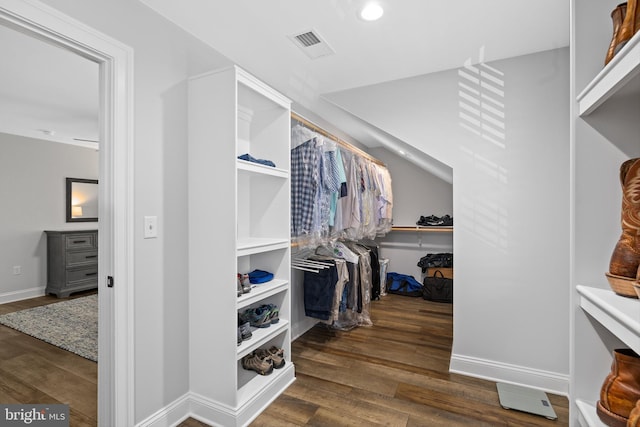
[[394, 373], [33, 371]]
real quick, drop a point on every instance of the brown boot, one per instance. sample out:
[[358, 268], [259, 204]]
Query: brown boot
[[630, 25], [634, 416], [623, 266], [617, 16], [621, 389]]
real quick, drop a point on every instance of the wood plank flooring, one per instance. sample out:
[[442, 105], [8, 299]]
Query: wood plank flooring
[[394, 373], [33, 371]]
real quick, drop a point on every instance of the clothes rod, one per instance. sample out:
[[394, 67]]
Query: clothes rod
[[318, 129]]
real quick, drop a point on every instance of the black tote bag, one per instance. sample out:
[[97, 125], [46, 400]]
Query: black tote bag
[[437, 288]]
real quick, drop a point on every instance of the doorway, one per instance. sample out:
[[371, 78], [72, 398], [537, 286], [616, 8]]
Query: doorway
[[115, 268]]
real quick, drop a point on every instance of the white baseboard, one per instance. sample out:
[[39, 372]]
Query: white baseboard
[[193, 405], [21, 294], [171, 415], [551, 382]]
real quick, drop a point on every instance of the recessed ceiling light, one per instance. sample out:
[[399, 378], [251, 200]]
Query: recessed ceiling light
[[371, 12]]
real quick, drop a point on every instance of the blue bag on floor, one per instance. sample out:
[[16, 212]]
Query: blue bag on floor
[[402, 284]]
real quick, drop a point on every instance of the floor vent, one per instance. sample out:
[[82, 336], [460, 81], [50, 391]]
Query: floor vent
[[312, 44]]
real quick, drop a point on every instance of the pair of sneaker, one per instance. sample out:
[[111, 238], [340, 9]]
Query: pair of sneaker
[[263, 316], [244, 330], [264, 361], [434, 221]]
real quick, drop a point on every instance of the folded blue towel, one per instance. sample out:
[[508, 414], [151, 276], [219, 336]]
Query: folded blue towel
[[260, 276]]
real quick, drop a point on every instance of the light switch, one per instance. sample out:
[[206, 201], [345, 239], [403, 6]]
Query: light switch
[[150, 227]]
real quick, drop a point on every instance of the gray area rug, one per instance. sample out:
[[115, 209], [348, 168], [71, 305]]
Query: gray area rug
[[71, 325]]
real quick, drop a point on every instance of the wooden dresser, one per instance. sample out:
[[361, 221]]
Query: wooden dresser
[[72, 261]]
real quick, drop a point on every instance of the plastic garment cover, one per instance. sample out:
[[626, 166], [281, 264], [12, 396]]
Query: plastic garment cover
[[335, 193]]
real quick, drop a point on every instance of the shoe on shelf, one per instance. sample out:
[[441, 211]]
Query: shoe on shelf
[[447, 220], [276, 354], [244, 329], [427, 220], [259, 317], [276, 360], [251, 362], [274, 312], [239, 336]]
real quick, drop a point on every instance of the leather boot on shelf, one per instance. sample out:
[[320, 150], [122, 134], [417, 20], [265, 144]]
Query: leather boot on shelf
[[629, 26], [634, 416], [617, 16], [623, 266], [621, 389]]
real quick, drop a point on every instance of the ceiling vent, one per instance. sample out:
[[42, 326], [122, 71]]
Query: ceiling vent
[[312, 44]]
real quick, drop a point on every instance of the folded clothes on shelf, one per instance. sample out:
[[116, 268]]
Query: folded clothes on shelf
[[249, 158], [260, 276]]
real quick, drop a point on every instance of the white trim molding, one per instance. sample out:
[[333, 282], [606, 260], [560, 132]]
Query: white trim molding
[[507, 373], [116, 406], [22, 294]]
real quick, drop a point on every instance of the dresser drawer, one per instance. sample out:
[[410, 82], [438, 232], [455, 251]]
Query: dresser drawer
[[81, 241], [77, 259], [82, 274]]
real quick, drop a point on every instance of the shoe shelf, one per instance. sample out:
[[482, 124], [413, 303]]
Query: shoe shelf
[[620, 315], [587, 415], [621, 74], [262, 291], [423, 229], [239, 221], [260, 336], [249, 382], [259, 169]]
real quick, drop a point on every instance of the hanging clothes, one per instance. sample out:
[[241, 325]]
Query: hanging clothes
[[335, 193]]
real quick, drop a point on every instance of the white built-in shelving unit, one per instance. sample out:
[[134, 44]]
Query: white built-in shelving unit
[[239, 221], [605, 132]]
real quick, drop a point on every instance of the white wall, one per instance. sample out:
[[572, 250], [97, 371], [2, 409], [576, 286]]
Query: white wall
[[33, 194], [510, 207], [416, 193], [164, 57]]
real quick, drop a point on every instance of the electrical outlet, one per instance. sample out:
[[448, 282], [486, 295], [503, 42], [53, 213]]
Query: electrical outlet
[[17, 270]]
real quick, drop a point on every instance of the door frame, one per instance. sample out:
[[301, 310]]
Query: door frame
[[116, 331]]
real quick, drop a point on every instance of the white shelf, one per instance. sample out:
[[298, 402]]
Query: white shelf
[[262, 291], [587, 415], [255, 245], [623, 71], [232, 113], [257, 168], [252, 383], [620, 315], [260, 336]]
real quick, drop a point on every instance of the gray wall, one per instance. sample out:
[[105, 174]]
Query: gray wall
[[510, 205], [415, 193], [32, 190], [164, 57]]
